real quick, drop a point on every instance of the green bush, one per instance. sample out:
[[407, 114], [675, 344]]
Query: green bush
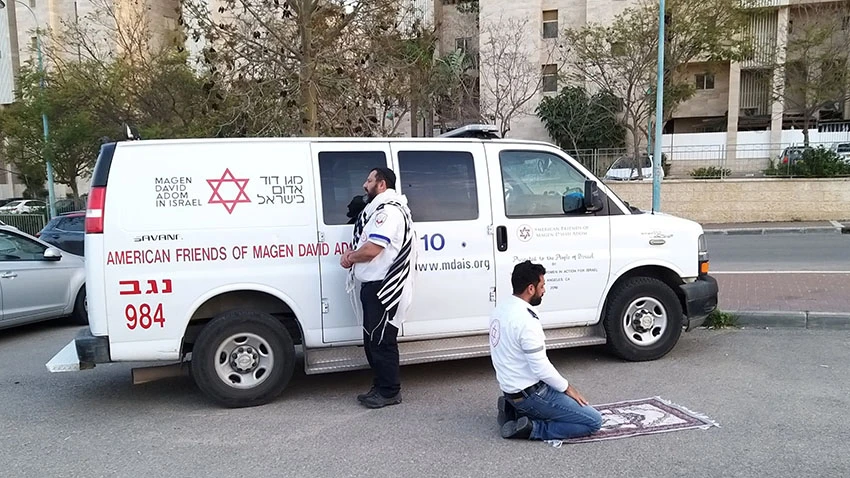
[[817, 162], [710, 172]]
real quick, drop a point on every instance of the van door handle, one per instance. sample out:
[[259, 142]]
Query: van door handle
[[502, 238], [9, 275]]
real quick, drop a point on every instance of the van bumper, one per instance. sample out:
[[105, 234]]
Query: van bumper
[[700, 300], [82, 353]]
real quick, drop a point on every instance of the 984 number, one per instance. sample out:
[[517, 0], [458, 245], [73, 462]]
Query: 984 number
[[143, 316]]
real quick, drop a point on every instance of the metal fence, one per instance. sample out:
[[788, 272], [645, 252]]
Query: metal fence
[[29, 223], [715, 161]]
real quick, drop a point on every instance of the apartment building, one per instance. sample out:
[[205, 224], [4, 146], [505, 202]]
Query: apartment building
[[731, 97], [21, 21]]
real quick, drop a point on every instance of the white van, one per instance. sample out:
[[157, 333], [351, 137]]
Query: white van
[[224, 253]]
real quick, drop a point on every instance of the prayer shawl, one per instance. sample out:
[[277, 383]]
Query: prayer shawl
[[396, 292]]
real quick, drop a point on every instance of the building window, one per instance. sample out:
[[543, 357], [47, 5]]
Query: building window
[[705, 81], [550, 24], [463, 44], [550, 78], [342, 175], [32, 3], [34, 43], [845, 22], [439, 185]]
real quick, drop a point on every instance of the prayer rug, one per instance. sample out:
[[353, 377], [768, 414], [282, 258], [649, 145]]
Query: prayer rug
[[641, 417]]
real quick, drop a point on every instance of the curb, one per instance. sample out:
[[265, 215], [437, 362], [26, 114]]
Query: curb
[[778, 230], [803, 320]]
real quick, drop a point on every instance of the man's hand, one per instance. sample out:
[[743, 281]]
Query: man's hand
[[345, 260], [572, 392]]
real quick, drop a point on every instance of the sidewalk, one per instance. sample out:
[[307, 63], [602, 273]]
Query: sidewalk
[[807, 299], [800, 227]]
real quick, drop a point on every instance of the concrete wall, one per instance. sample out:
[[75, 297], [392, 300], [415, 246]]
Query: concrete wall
[[745, 200]]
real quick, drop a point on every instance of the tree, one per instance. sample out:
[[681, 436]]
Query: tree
[[308, 66], [72, 145], [622, 57], [510, 70], [814, 63], [576, 120]]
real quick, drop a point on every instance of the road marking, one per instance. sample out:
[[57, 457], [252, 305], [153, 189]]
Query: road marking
[[776, 272], [836, 224]]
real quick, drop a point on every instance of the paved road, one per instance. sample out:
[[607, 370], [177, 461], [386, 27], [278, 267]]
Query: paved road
[[780, 252], [782, 272], [780, 396]]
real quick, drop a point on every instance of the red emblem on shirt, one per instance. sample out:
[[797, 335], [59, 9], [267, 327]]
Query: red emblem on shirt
[[380, 218]]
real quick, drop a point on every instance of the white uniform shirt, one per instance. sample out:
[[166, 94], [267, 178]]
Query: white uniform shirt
[[518, 348], [386, 229]]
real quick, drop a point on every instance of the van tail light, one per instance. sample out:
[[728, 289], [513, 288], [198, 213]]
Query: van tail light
[[94, 210]]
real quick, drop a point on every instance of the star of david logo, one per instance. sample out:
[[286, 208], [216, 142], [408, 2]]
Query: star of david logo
[[524, 233], [228, 178], [495, 332]]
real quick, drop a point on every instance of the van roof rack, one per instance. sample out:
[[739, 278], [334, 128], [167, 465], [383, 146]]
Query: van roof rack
[[479, 131]]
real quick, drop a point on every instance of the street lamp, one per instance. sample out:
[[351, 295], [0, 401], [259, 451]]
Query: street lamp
[[50, 193], [659, 112]]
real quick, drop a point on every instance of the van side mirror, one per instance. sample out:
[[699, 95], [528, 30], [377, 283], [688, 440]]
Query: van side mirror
[[592, 200]]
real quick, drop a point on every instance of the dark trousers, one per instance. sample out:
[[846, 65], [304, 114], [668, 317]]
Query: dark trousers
[[381, 352]]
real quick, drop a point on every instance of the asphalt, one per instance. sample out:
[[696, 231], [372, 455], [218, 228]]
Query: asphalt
[[779, 318]]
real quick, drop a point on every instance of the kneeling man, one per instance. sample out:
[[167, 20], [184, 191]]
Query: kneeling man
[[537, 403]]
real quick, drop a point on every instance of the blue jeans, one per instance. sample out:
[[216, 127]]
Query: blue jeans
[[555, 415]]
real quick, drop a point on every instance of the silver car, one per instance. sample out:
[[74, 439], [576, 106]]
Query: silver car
[[38, 281]]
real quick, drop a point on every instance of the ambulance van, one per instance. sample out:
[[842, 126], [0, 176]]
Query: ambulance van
[[222, 255]]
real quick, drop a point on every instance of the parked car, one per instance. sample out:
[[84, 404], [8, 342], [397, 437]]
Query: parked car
[[38, 281], [792, 154], [843, 150], [3, 202], [625, 168], [67, 232], [25, 206]]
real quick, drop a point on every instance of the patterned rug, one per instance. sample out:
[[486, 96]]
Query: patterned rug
[[642, 417]]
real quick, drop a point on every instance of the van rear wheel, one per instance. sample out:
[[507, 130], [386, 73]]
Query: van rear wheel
[[643, 320], [243, 359]]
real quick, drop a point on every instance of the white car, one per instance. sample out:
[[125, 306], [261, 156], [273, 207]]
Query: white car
[[26, 206], [625, 169], [38, 281], [843, 150]]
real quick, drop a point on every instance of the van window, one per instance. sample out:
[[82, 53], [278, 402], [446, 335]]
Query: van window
[[535, 182], [342, 174], [439, 185]]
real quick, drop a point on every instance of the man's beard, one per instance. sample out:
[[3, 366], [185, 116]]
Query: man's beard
[[535, 300], [370, 195]]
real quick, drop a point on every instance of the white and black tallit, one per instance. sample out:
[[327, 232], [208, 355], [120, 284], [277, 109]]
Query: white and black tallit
[[396, 292]]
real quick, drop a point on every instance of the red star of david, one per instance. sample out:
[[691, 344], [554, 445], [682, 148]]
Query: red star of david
[[229, 204]]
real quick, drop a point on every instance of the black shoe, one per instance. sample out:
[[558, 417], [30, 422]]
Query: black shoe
[[378, 401], [507, 412], [517, 429], [364, 396]]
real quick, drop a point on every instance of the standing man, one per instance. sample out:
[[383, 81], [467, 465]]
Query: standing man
[[382, 262], [537, 403]]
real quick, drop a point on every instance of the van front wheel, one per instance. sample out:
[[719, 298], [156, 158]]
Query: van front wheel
[[243, 359], [643, 320]]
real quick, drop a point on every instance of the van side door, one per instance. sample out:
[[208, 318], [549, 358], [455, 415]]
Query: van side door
[[449, 196], [340, 170], [531, 224]]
